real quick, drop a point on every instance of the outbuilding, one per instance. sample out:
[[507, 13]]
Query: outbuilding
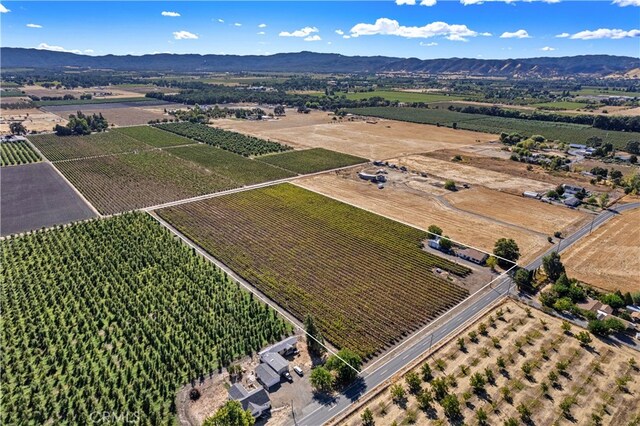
[[473, 255], [276, 362], [267, 376]]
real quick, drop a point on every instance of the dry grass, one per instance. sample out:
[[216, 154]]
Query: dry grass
[[32, 119], [609, 258]]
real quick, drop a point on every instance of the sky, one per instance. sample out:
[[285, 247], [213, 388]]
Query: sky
[[489, 29]]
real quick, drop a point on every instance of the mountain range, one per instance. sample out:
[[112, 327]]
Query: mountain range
[[595, 65]]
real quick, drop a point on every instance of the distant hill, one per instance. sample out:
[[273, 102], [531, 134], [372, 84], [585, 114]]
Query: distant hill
[[322, 62]]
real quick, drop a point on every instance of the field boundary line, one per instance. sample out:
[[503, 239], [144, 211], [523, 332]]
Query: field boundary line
[[76, 190], [244, 283]]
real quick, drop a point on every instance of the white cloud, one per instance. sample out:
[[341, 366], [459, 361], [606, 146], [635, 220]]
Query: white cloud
[[516, 34], [486, 34], [88, 51], [314, 37], [261, 33], [547, 49], [339, 32], [346, 37], [601, 33], [4, 9], [237, 24], [406, 2], [302, 32], [625, 3], [170, 14], [563, 35], [471, 2], [262, 26], [221, 20], [184, 35], [329, 43], [433, 43], [428, 3], [34, 26], [45, 46], [386, 26]]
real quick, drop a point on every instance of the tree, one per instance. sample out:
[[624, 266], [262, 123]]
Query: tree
[[603, 200], [414, 382], [522, 278], [17, 128], [584, 338], [506, 248], [439, 387], [427, 375], [346, 365], [230, 414], [367, 416], [553, 266], [321, 379], [482, 417], [434, 230], [425, 399], [445, 243], [492, 262], [477, 382], [314, 338], [450, 185], [525, 412], [451, 406], [279, 110], [398, 394], [633, 147], [612, 299]]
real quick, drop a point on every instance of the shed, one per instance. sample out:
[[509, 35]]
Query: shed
[[283, 347], [275, 361], [570, 189], [473, 255], [267, 376], [530, 194], [572, 202]]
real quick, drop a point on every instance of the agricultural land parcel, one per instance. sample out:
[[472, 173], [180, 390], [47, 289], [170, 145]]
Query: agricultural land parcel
[[566, 132], [373, 141], [34, 196], [73, 348], [314, 255], [589, 384], [33, 119], [14, 153], [403, 96], [609, 258], [123, 115]]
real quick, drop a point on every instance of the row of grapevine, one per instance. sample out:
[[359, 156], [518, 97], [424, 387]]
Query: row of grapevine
[[115, 315], [230, 141], [14, 153], [363, 277]]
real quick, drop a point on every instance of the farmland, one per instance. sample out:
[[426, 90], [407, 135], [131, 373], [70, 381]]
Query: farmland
[[524, 367], [114, 315], [91, 101], [34, 196], [154, 137], [130, 181], [57, 148], [609, 258], [314, 255], [403, 96], [565, 132], [311, 160], [14, 153], [230, 141]]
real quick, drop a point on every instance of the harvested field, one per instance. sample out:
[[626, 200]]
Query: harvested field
[[34, 196], [154, 137], [609, 258], [373, 141], [130, 181], [311, 160], [128, 116], [417, 202], [317, 256], [31, 118], [517, 210], [57, 148], [548, 378], [241, 170]]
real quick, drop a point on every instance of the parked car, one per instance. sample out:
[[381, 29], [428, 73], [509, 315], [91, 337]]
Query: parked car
[[287, 376], [298, 371]]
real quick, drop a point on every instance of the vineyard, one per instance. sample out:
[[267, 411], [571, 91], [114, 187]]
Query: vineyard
[[57, 148], [153, 137], [14, 153], [130, 181], [230, 141], [565, 132], [114, 316], [311, 160], [363, 277]]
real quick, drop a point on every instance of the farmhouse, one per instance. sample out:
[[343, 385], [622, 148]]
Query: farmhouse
[[257, 401], [267, 376], [596, 306], [570, 189], [276, 362], [473, 255]]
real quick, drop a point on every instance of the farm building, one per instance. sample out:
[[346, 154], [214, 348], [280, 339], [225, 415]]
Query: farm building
[[435, 243], [596, 306], [577, 146], [372, 178], [284, 347], [257, 401], [275, 361], [13, 138], [473, 255], [570, 189], [530, 194], [572, 202], [267, 376]]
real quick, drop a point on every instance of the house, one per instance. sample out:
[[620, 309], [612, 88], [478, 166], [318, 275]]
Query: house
[[572, 202], [570, 189], [635, 316], [266, 376], [472, 255], [276, 362], [596, 306], [284, 347], [256, 401], [530, 194], [435, 243]]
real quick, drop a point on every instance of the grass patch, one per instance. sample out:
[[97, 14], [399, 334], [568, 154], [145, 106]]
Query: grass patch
[[311, 160], [409, 97]]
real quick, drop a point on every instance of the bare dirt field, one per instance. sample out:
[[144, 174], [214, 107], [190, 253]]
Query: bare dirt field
[[32, 119], [531, 214], [418, 202], [106, 92], [609, 258], [547, 377], [131, 116], [383, 140]]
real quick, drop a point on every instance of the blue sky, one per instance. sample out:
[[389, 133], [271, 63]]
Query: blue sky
[[490, 29]]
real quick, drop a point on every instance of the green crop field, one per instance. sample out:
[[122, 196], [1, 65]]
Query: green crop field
[[565, 132], [57, 148], [154, 137], [14, 153], [91, 101], [230, 141], [115, 315], [241, 170], [562, 105], [311, 160], [594, 91], [392, 95], [363, 277], [11, 93]]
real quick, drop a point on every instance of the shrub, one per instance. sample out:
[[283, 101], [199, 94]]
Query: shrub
[[367, 418], [450, 185], [398, 394], [414, 382], [427, 375]]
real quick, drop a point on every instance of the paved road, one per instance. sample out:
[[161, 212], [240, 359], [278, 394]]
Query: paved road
[[318, 413]]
